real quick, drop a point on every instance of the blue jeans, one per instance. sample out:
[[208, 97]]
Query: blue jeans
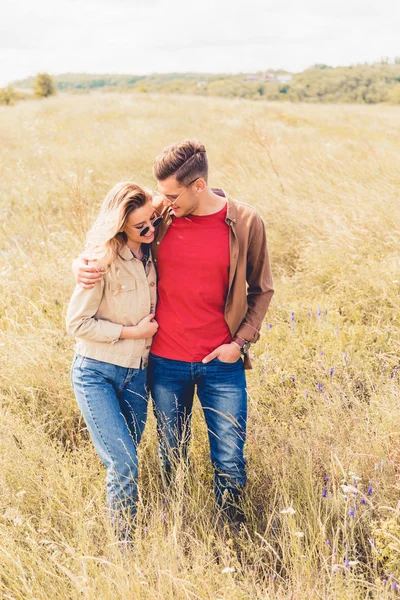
[[113, 401], [221, 388]]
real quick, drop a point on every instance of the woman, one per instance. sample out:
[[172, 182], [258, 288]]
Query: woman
[[114, 325]]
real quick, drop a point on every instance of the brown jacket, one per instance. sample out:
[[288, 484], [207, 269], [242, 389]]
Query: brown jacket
[[250, 286]]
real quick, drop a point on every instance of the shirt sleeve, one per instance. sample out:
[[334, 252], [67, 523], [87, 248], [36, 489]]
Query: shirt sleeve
[[259, 279], [81, 320]]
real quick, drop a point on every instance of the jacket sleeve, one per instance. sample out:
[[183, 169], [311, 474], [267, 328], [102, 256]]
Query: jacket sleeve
[[259, 279], [81, 320]]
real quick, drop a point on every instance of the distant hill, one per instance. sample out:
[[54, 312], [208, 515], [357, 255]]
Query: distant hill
[[370, 84]]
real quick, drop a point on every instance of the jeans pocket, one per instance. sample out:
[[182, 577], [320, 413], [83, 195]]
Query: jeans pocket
[[89, 361], [221, 362]]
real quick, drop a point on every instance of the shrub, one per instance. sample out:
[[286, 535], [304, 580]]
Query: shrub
[[7, 96], [44, 85]]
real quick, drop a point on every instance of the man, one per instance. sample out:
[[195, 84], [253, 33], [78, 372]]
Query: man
[[214, 288]]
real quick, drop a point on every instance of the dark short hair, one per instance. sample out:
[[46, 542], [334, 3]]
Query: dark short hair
[[184, 160]]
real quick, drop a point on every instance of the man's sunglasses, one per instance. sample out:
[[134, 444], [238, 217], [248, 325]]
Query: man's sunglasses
[[155, 221], [174, 199]]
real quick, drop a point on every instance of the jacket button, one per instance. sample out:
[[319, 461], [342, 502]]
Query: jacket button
[[147, 347], [152, 284], [158, 243]]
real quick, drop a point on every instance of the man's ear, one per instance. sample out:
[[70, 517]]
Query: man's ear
[[200, 185]]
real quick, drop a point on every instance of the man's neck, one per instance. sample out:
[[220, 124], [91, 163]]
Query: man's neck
[[209, 204]]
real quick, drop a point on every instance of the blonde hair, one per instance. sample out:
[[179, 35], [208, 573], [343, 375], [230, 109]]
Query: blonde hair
[[184, 160], [106, 238]]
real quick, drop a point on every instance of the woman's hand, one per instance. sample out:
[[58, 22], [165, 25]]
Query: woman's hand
[[146, 328]]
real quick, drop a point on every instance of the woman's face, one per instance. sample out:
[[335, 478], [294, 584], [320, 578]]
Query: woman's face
[[139, 219]]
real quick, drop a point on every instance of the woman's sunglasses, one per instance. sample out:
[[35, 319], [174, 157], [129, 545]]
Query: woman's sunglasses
[[155, 221]]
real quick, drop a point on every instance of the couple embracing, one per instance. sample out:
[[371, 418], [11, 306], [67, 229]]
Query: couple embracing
[[175, 295]]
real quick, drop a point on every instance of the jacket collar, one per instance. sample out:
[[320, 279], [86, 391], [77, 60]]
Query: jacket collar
[[126, 254], [231, 209]]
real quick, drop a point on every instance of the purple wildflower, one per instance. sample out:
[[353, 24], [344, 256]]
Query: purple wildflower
[[346, 560], [163, 517], [329, 542], [324, 493], [319, 311], [394, 586], [331, 372], [351, 513], [319, 387], [292, 318], [369, 491], [292, 378], [326, 477], [309, 313], [363, 501]]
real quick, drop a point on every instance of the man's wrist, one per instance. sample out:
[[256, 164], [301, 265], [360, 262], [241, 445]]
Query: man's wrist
[[236, 345], [241, 343]]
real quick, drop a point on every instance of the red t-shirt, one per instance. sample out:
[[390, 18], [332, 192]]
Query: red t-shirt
[[193, 276]]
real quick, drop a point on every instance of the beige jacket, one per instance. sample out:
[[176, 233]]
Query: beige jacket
[[124, 296]]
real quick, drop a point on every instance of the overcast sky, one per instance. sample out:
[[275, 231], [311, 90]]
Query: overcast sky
[[146, 36]]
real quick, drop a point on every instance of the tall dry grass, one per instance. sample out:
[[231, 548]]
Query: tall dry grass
[[324, 413]]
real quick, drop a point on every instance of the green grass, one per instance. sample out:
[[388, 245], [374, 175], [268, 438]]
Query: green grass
[[323, 394]]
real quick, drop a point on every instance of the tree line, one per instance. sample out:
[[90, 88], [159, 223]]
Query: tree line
[[366, 84]]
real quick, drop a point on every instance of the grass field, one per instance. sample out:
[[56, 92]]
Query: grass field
[[324, 403]]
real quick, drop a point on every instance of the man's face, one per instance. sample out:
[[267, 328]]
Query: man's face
[[183, 200]]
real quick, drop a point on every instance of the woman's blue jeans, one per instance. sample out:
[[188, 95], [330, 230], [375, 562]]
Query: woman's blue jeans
[[114, 401], [221, 388]]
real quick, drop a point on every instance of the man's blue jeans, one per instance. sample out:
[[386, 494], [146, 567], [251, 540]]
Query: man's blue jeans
[[113, 401], [221, 388]]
